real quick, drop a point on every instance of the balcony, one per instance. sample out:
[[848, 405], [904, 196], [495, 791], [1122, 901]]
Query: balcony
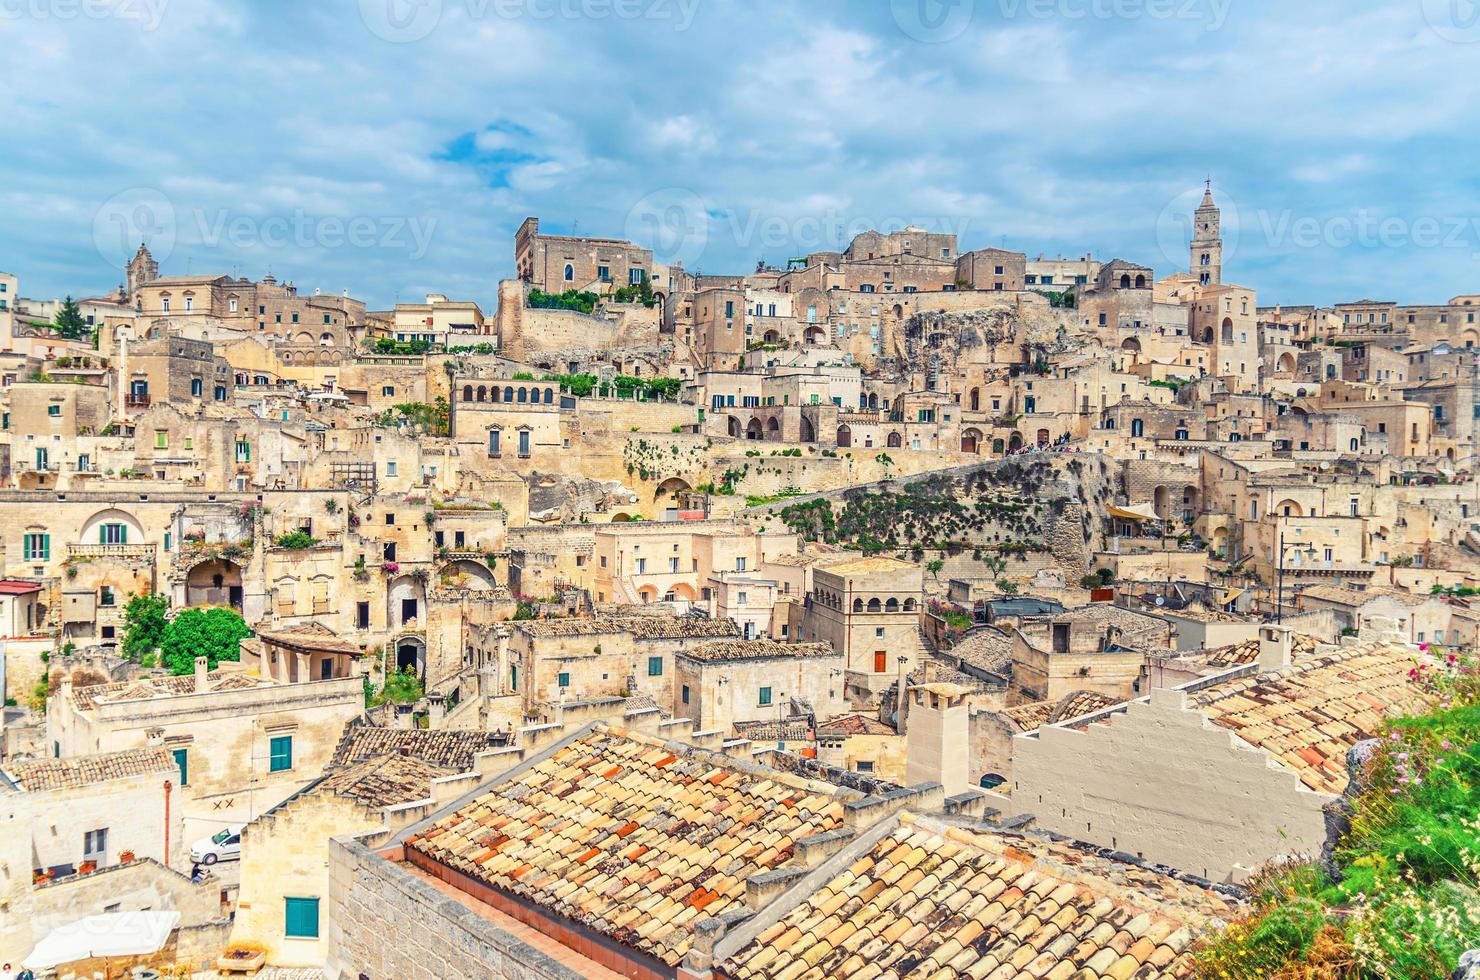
[[110, 550], [135, 400]]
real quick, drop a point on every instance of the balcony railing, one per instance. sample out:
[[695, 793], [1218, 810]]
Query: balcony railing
[[110, 550], [135, 400]]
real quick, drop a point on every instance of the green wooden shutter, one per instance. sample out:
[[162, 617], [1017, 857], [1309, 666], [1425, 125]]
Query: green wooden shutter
[[280, 754], [182, 760], [301, 918]]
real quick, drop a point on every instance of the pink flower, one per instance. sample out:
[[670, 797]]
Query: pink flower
[[1395, 736], [1403, 756], [1444, 745], [1417, 780]]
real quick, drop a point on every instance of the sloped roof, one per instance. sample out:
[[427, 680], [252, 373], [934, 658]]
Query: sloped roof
[[930, 900], [86, 770], [385, 780], [1033, 716], [1309, 714], [447, 748], [618, 833], [853, 725]]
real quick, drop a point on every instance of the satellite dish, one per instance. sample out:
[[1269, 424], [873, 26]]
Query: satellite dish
[[1161, 600]]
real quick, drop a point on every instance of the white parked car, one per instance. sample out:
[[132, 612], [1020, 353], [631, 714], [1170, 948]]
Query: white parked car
[[224, 845]]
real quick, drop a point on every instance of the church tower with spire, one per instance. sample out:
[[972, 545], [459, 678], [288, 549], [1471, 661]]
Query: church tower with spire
[[142, 270], [1207, 243]]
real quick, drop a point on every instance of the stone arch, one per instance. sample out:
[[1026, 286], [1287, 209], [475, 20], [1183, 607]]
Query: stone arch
[[1141, 281], [874, 605], [858, 605], [474, 575], [672, 487], [891, 605], [733, 426], [971, 441], [1015, 442], [467, 393], [214, 582], [754, 430], [1289, 508], [1162, 502], [99, 528], [406, 602], [773, 429], [1286, 363], [1125, 281], [910, 605], [1131, 345], [411, 652], [894, 441], [845, 437], [807, 432], [1227, 330]]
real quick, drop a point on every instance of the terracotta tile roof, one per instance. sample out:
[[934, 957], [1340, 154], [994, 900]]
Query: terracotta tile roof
[[85, 770], [941, 902], [385, 781], [853, 725], [448, 748], [762, 649], [628, 838], [158, 687], [986, 650], [791, 730], [1033, 716], [643, 627], [1308, 715], [309, 637]]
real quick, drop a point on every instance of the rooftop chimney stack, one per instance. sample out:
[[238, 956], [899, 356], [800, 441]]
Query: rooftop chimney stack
[[202, 668]]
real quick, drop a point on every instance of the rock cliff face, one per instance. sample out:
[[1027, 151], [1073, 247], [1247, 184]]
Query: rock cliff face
[[948, 340]]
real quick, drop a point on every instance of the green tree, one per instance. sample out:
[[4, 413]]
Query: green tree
[[69, 322], [211, 633], [144, 625]]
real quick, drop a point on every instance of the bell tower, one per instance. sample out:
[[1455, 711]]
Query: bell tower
[[1207, 243], [142, 270]]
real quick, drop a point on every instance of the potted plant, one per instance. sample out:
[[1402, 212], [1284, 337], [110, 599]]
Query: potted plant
[[126, 857], [87, 867]]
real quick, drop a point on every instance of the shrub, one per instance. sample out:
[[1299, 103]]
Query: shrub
[[215, 634], [296, 540]]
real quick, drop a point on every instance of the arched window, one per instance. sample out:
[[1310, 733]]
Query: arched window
[[467, 393], [570, 272], [1140, 282], [523, 393], [509, 393], [494, 396], [549, 396], [873, 605], [1125, 282], [482, 393], [858, 605], [892, 605], [909, 605]]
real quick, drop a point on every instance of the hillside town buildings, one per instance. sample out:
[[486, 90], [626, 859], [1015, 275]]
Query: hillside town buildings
[[637, 625]]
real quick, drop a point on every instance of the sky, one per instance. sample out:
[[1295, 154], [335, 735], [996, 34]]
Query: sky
[[393, 147]]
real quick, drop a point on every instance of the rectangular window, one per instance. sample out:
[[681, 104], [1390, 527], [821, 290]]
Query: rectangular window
[[524, 442], [95, 846], [182, 762], [301, 918], [280, 754], [243, 451], [37, 547], [635, 277], [113, 534], [161, 440], [879, 661], [54, 410], [196, 386], [765, 697], [390, 468], [106, 596], [564, 679], [388, 390], [655, 666], [362, 615], [494, 442]]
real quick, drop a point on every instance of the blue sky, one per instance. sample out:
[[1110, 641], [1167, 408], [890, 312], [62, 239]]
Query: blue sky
[[392, 147]]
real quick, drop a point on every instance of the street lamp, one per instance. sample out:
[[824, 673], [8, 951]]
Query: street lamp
[[1279, 603]]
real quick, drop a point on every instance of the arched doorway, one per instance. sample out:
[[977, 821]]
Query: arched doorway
[[733, 426], [845, 437], [773, 429], [411, 653], [753, 430], [894, 441], [808, 433], [1015, 442], [217, 582], [970, 440]]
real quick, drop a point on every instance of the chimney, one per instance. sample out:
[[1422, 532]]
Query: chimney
[[1274, 647], [202, 668], [937, 742]]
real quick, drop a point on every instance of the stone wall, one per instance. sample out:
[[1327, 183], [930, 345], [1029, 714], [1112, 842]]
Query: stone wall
[[435, 937]]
